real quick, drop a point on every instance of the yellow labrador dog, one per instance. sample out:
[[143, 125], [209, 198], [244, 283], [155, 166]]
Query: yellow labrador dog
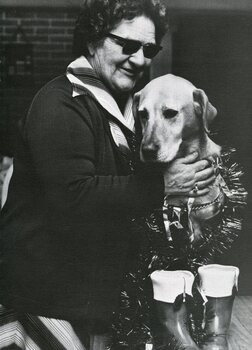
[[175, 118]]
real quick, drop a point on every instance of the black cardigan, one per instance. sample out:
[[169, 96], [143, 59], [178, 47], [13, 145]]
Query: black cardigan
[[65, 228]]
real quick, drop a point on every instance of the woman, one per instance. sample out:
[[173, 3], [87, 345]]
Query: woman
[[66, 227]]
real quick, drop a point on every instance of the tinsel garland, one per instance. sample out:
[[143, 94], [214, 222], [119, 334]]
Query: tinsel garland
[[133, 323]]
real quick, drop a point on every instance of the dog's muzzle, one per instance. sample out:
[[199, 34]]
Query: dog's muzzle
[[149, 152]]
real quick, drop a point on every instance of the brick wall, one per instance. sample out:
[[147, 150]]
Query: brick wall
[[50, 32]]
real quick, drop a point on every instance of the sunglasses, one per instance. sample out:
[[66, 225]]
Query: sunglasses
[[131, 46]]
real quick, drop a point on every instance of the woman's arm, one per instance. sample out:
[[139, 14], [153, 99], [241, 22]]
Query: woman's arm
[[61, 140]]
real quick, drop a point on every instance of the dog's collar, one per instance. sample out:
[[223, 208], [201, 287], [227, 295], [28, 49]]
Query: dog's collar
[[196, 208], [205, 211]]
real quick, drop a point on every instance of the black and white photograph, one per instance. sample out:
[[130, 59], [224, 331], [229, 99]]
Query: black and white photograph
[[125, 175]]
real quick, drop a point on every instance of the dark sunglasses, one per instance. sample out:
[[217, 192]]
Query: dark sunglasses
[[131, 46]]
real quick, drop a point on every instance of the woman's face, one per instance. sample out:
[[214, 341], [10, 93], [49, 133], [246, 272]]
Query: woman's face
[[119, 71]]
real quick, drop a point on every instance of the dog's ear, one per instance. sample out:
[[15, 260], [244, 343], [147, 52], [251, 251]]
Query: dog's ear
[[135, 104], [203, 108]]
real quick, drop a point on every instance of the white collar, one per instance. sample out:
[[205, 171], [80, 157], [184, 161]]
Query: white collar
[[75, 74]]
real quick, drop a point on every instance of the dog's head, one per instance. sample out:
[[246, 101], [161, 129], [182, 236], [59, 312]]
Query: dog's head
[[171, 110]]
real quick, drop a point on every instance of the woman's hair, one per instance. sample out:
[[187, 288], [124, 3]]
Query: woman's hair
[[98, 17]]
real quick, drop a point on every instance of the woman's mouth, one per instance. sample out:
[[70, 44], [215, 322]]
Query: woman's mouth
[[129, 72]]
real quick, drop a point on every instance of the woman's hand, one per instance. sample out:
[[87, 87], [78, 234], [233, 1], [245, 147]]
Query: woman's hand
[[181, 176]]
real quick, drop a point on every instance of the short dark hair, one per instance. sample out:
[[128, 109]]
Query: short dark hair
[[98, 17]]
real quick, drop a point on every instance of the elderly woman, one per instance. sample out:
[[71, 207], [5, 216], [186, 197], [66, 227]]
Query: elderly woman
[[66, 228]]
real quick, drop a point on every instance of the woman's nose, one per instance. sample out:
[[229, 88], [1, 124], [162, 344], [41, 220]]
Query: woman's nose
[[138, 58]]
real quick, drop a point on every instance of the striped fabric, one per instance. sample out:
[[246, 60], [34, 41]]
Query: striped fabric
[[82, 77], [28, 332]]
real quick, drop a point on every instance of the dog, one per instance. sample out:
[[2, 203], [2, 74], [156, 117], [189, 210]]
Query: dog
[[175, 117]]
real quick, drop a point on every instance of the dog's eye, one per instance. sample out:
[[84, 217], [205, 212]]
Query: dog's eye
[[143, 114], [169, 113]]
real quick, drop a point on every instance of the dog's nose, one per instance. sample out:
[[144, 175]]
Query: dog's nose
[[149, 152]]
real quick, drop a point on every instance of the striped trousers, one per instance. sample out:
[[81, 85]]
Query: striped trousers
[[28, 332]]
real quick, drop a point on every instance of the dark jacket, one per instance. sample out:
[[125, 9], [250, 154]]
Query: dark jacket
[[65, 229]]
